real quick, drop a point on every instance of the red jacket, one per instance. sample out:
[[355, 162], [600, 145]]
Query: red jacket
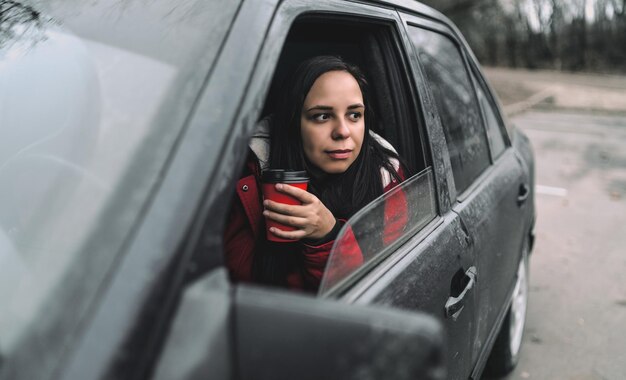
[[246, 222]]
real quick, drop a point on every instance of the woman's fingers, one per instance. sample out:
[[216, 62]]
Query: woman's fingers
[[282, 208], [303, 195], [290, 220], [291, 235]]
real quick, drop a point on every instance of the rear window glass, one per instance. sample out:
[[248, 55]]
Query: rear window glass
[[456, 102]]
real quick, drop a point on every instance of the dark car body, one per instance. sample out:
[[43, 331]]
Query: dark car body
[[124, 127]]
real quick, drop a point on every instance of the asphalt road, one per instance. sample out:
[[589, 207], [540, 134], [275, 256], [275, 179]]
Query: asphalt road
[[576, 322]]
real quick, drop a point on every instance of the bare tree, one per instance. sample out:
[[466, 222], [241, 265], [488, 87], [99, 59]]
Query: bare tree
[[19, 22], [556, 28]]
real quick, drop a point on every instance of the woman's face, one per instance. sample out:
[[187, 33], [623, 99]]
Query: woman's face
[[332, 123]]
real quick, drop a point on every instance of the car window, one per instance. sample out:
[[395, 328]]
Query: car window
[[494, 130], [369, 45], [90, 108], [377, 229], [456, 102], [366, 45]]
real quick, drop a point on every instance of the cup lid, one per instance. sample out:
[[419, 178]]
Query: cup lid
[[284, 176]]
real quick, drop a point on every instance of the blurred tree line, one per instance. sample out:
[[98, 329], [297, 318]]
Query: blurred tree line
[[573, 35]]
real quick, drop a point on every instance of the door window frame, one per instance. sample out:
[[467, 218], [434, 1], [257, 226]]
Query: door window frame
[[286, 15]]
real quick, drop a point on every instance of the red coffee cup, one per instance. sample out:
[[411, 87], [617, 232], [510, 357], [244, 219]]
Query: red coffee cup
[[269, 179]]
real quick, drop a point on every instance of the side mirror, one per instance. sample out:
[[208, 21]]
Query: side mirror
[[247, 332]]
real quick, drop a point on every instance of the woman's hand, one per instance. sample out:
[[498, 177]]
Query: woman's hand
[[312, 219]]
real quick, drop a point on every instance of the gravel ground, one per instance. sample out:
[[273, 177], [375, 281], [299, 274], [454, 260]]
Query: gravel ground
[[589, 93]]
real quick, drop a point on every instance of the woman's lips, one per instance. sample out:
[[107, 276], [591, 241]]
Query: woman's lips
[[339, 154]]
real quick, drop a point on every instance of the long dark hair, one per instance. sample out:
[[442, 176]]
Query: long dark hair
[[343, 194], [346, 193]]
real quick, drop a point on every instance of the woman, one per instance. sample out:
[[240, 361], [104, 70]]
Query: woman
[[323, 126]]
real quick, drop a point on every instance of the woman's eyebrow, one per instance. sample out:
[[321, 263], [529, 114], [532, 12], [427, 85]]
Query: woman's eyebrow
[[329, 108], [323, 108]]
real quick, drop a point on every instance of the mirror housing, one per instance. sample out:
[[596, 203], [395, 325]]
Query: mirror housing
[[263, 333]]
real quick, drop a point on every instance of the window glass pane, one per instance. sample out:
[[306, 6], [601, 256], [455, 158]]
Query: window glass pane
[[455, 100], [494, 132], [378, 228]]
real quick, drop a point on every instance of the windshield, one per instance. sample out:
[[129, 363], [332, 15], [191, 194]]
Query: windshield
[[92, 98]]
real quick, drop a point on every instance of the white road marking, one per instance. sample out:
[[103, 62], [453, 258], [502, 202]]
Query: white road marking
[[549, 190]]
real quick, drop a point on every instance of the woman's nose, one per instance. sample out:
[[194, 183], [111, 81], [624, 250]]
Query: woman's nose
[[341, 130]]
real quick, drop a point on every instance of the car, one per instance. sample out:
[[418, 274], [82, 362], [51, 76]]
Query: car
[[124, 127]]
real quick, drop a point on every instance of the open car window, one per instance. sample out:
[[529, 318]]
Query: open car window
[[375, 231], [371, 46]]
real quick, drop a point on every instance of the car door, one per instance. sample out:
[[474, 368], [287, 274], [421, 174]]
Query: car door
[[429, 266], [489, 190]]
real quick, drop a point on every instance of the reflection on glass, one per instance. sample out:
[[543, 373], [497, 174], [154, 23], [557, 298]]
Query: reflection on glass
[[380, 227], [50, 102], [90, 109]]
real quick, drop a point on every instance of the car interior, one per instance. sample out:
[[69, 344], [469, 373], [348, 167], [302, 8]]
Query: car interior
[[371, 47]]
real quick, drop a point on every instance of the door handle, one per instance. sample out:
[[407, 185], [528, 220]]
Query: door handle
[[454, 305], [523, 193]]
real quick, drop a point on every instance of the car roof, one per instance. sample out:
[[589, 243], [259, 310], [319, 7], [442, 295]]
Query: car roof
[[415, 6]]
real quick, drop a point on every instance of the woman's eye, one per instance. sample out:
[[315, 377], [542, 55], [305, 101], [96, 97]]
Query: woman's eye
[[320, 116], [354, 116]]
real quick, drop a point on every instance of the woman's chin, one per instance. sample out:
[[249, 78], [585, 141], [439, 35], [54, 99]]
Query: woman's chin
[[337, 167]]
